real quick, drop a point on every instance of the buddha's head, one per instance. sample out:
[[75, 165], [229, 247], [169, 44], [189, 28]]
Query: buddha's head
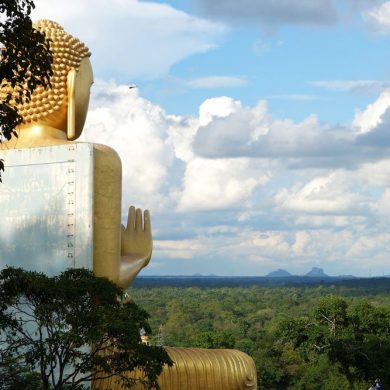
[[65, 105]]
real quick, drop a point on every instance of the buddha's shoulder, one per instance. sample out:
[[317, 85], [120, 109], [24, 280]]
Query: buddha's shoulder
[[100, 148], [105, 154]]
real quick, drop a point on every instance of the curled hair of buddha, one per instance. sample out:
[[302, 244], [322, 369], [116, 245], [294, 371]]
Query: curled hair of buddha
[[68, 52]]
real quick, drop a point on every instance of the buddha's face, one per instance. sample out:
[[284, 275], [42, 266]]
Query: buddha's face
[[83, 82]]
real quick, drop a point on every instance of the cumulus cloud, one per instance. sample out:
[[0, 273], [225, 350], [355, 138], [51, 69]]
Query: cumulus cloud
[[219, 107], [302, 238], [296, 251], [378, 18], [132, 38], [337, 250], [219, 159], [372, 116], [137, 130], [366, 247], [160, 169], [180, 249], [313, 221], [254, 206], [253, 132], [271, 12], [220, 183], [331, 194], [379, 137], [375, 174]]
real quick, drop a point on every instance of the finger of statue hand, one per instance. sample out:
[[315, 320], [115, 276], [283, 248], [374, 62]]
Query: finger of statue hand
[[138, 220], [147, 223], [131, 218]]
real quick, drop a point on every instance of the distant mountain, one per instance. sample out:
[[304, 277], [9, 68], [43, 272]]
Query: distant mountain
[[317, 273], [279, 273]]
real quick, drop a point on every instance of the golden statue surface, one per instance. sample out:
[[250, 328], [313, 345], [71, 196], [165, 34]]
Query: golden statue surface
[[56, 116]]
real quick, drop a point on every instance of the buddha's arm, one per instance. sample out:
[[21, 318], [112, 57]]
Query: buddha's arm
[[107, 212], [119, 253]]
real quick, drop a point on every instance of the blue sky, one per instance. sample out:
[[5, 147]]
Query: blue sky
[[258, 135]]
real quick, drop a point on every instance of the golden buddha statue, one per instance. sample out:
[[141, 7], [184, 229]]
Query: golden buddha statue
[[56, 117]]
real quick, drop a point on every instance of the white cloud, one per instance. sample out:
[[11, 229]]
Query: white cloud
[[253, 132], [370, 246], [212, 184], [217, 82], [137, 130], [223, 229], [219, 107], [371, 117], [153, 145], [179, 249], [311, 221], [270, 243], [180, 136], [302, 239], [331, 194], [375, 174], [352, 85], [229, 208], [230, 130], [338, 251], [378, 18], [130, 38]]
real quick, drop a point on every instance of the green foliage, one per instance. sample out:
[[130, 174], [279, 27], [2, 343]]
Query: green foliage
[[251, 319], [15, 377], [25, 61], [214, 340], [72, 327], [356, 340], [322, 376]]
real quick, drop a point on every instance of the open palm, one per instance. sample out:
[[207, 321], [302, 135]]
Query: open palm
[[136, 245]]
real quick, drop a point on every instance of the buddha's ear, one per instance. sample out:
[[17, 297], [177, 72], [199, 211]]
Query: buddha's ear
[[71, 122]]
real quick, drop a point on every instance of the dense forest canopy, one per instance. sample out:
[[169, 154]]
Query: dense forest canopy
[[255, 319]]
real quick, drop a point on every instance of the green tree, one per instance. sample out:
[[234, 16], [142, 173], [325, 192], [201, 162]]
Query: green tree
[[213, 340], [72, 328], [354, 340], [15, 377], [25, 62]]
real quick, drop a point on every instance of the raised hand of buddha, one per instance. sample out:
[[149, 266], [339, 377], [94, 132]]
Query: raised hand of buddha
[[136, 245]]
